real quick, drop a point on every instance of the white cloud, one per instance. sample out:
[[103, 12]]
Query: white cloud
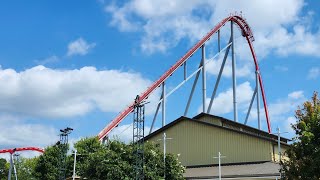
[[223, 103], [21, 134], [48, 60], [296, 95], [79, 47], [17, 133], [283, 108], [314, 73], [287, 125], [165, 23], [244, 70], [281, 112], [54, 93]]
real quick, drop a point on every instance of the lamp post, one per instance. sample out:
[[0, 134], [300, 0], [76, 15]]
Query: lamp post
[[279, 144], [74, 164], [219, 157], [164, 150]]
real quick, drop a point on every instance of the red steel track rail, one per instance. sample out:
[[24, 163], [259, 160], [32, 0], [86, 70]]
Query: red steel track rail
[[246, 32], [11, 151]]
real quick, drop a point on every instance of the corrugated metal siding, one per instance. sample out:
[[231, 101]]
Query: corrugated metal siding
[[210, 120], [197, 144]]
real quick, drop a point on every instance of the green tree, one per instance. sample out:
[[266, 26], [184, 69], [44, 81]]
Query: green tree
[[304, 153], [96, 161], [114, 160], [99, 161], [154, 167], [4, 169], [48, 164], [25, 168]]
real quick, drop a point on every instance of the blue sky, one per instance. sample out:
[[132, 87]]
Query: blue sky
[[79, 63]]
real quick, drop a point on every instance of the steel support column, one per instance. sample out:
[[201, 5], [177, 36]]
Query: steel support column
[[219, 77], [11, 166], [164, 122], [204, 81], [155, 114], [250, 106], [258, 100], [191, 93], [14, 170], [163, 104], [219, 47], [234, 81], [184, 70]]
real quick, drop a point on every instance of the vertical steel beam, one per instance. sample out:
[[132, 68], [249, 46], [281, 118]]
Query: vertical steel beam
[[155, 115], [250, 106], [219, 46], [14, 170], [163, 104], [219, 76], [11, 166], [184, 70], [164, 123], [204, 81], [258, 100], [191, 93], [234, 81]]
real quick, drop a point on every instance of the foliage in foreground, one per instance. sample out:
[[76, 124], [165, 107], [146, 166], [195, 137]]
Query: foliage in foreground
[[95, 161], [304, 153]]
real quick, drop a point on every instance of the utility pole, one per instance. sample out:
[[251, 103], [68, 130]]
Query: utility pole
[[164, 150], [219, 157], [74, 164], [278, 133], [279, 148]]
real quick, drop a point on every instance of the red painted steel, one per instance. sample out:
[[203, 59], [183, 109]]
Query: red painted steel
[[11, 151], [246, 32]]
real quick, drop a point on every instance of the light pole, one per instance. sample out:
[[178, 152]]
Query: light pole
[[164, 151], [74, 164], [63, 145], [279, 144], [219, 157]]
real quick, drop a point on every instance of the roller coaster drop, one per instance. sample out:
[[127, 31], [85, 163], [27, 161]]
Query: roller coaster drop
[[182, 62]]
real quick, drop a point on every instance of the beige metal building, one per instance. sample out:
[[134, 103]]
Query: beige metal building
[[250, 153]]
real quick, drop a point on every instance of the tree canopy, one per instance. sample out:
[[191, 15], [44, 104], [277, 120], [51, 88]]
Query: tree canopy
[[114, 160], [304, 153], [95, 161], [4, 169]]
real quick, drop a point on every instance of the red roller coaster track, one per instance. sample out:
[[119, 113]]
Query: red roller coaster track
[[11, 151], [246, 32]]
